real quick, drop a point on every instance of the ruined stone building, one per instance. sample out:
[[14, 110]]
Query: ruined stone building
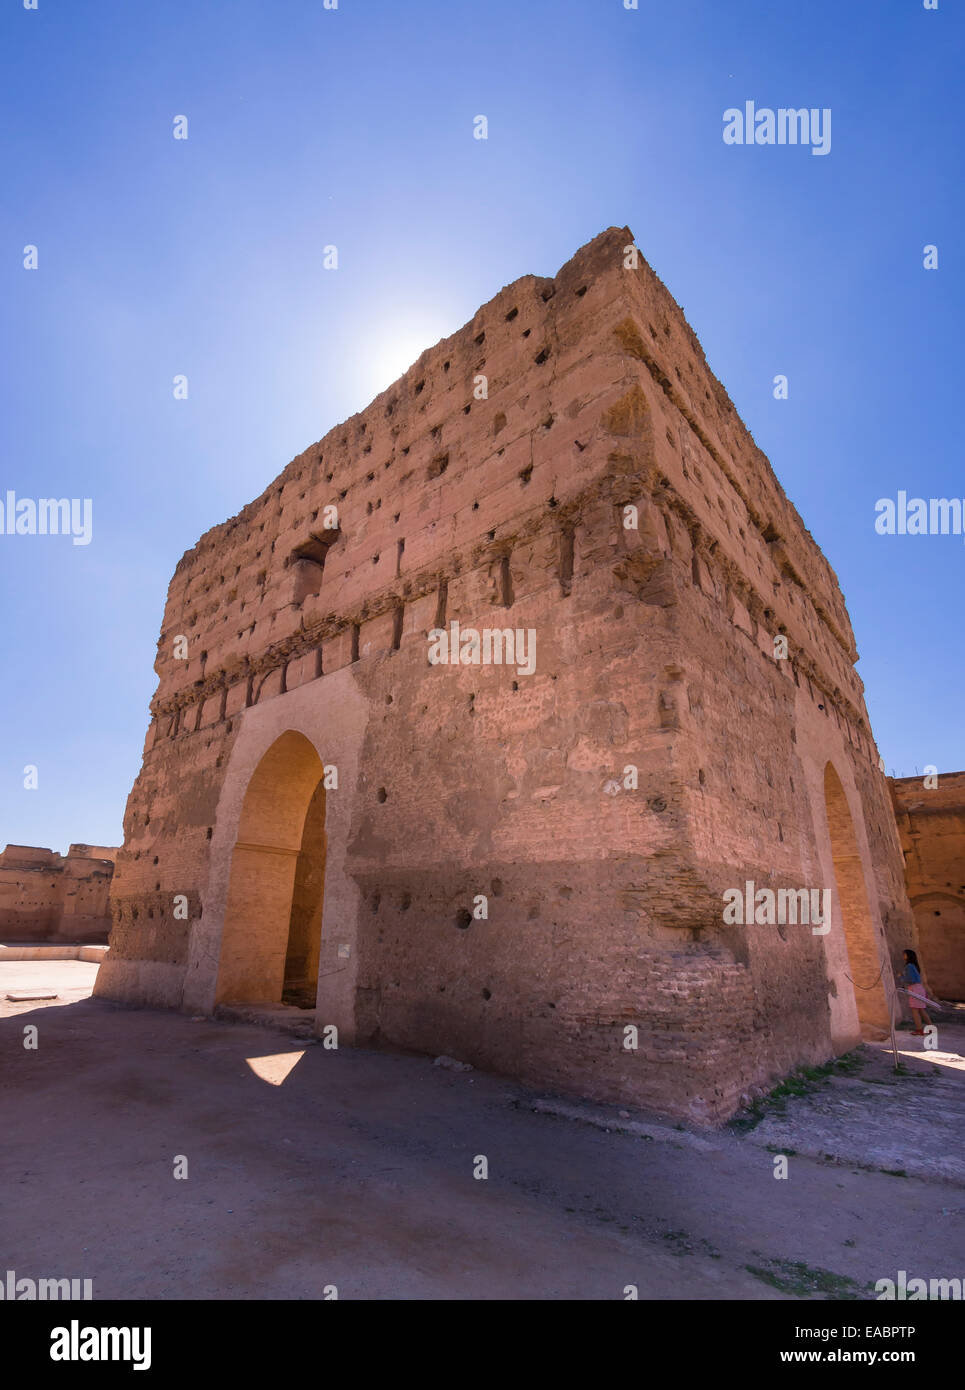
[[48, 897], [931, 824], [522, 863]]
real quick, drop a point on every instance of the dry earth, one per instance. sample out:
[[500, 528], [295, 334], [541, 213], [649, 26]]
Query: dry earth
[[310, 1167]]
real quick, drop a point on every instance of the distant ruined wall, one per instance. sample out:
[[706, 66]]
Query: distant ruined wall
[[931, 824], [52, 897], [654, 650]]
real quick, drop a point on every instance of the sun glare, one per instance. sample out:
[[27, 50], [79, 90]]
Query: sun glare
[[397, 348]]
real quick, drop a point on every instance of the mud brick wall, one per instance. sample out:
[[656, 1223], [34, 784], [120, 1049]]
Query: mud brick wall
[[53, 897], [654, 652], [931, 824]]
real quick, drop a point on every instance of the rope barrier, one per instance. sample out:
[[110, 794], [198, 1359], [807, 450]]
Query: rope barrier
[[871, 986]]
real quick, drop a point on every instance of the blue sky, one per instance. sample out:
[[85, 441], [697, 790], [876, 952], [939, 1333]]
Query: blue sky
[[353, 127]]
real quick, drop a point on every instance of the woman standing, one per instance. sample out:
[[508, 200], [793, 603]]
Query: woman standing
[[910, 977]]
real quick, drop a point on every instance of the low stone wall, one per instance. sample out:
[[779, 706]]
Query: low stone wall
[[53, 897], [92, 954]]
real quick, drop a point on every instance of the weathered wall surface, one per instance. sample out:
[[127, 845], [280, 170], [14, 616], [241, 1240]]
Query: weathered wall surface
[[654, 652], [53, 897], [931, 824]]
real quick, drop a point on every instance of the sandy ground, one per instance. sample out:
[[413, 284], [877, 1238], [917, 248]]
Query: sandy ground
[[309, 1168]]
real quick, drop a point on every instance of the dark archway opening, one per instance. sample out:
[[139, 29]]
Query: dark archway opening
[[271, 939]]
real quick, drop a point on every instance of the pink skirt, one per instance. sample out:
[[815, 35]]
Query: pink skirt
[[917, 997]]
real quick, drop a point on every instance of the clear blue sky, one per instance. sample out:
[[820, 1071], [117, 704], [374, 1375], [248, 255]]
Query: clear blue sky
[[353, 127]]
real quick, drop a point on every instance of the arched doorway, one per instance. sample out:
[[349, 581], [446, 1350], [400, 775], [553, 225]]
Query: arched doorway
[[273, 914], [864, 965]]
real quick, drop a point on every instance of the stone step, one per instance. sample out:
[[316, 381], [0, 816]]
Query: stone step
[[282, 1018]]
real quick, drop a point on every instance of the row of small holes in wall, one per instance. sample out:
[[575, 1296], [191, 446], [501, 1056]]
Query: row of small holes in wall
[[390, 408], [441, 462], [691, 366], [480, 339]]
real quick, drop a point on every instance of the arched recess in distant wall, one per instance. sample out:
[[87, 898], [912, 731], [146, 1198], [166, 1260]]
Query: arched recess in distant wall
[[273, 915], [865, 965]]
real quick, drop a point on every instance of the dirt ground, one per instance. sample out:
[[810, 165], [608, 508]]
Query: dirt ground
[[309, 1168]]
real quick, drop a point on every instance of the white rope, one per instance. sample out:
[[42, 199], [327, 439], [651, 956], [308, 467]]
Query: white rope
[[935, 1003]]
